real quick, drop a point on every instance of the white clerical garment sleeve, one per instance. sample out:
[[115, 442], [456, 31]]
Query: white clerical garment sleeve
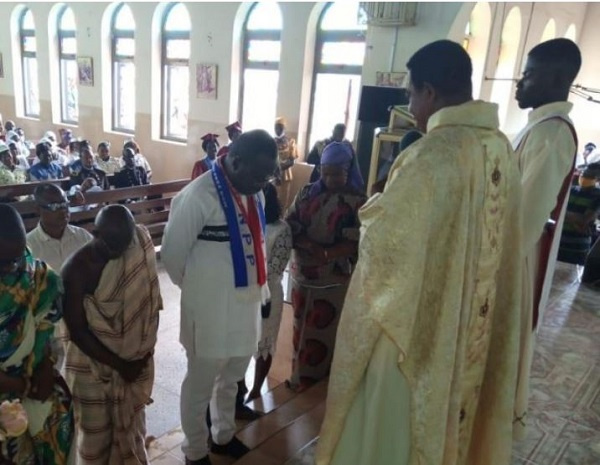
[[546, 158], [186, 221]]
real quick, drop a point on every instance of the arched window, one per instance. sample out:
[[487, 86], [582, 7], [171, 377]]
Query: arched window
[[571, 33], [260, 76], [339, 56], [176, 29], [477, 36], [31, 91], [123, 69], [549, 31], [468, 36], [67, 54], [505, 71]]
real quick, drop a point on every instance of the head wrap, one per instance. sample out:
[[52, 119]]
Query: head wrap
[[339, 154], [206, 138], [209, 137], [50, 136], [234, 127], [281, 120]]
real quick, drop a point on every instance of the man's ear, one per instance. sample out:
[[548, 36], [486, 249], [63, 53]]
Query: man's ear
[[429, 92]]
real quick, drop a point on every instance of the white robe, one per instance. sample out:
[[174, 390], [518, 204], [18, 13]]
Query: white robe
[[545, 149]]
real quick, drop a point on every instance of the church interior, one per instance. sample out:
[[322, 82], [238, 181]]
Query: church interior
[[166, 74]]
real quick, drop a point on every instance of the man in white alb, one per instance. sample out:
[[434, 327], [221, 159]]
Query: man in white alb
[[546, 150]]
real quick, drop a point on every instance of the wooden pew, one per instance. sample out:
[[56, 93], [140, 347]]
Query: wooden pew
[[153, 213], [27, 188]]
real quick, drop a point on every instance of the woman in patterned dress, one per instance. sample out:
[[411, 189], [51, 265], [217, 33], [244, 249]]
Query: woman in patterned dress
[[279, 248], [325, 228], [30, 295]]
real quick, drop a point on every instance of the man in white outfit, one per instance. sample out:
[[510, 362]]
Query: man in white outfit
[[546, 150], [53, 241], [213, 248]]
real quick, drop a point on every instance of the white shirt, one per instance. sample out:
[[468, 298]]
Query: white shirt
[[53, 251], [217, 320]]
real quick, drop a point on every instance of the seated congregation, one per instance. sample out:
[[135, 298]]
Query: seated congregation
[[418, 305]]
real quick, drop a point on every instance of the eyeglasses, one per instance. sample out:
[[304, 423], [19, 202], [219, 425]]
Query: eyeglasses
[[54, 207]]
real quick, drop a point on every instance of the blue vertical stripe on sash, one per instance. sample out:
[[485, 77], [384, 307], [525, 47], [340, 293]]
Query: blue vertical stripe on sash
[[261, 214], [237, 249]]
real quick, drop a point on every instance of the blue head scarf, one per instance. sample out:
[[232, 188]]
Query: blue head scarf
[[340, 154]]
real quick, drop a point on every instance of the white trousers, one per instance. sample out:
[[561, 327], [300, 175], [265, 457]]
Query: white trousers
[[214, 381]]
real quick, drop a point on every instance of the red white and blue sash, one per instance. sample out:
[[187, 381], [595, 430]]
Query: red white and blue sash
[[246, 231]]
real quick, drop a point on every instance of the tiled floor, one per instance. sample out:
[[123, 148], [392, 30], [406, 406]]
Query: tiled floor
[[565, 399]]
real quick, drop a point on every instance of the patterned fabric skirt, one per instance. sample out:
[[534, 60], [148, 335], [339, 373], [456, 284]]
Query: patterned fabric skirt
[[317, 311]]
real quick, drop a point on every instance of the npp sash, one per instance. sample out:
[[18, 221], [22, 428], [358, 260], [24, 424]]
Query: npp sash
[[246, 231]]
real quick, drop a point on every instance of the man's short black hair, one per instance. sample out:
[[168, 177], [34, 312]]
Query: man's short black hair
[[445, 65], [12, 224], [39, 148], [562, 53], [252, 143], [592, 171], [43, 190]]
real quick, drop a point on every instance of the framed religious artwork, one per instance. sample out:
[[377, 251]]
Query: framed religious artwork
[[85, 69], [387, 79], [206, 81]]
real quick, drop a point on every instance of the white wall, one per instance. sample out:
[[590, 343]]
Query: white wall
[[586, 115], [534, 17], [434, 20], [215, 36]]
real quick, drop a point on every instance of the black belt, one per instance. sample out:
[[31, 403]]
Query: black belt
[[214, 234]]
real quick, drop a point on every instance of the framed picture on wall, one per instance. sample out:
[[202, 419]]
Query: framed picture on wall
[[1, 67], [206, 81], [385, 79], [85, 68]]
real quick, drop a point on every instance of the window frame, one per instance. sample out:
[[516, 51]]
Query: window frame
[[25, 55], [65, 34], [324, 36], [116, 60], [165, 63], [249, 36]]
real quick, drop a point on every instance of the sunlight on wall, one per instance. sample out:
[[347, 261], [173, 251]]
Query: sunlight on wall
[[509, 47], [549, 31], [477, 36]]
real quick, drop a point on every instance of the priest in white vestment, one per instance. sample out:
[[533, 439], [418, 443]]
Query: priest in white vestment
[[425, 366], [546, 149]]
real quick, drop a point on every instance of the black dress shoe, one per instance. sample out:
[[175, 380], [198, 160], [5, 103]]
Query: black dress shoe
[[202, 461], [234, 448], [243, 412]]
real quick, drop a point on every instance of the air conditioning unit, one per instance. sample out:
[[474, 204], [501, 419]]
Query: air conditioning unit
[[390, 14]]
